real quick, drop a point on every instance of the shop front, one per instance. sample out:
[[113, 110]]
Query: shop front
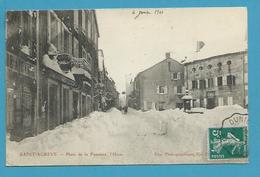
[[60, 94], [21, 97]]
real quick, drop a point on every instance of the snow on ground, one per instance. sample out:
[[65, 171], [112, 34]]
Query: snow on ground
[[152, 137]]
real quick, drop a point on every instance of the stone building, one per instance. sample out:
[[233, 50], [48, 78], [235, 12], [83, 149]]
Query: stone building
[[160, 86], [52, 68], [218, 80]]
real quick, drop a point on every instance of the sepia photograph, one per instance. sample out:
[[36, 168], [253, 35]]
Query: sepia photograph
[[126, 86]]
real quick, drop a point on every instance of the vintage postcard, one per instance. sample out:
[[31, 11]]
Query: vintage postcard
[[126, 86]]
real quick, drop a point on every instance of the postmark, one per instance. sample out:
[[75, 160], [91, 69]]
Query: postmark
[[230, 141]]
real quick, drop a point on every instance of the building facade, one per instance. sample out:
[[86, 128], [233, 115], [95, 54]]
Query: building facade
[[214, 81], [107, 89], [218, 80], [52, 69], [159, 87], [21, 57]]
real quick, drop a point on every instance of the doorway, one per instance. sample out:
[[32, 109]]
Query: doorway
[[53, 106], [75, 105], [211, 103], [65, 105]]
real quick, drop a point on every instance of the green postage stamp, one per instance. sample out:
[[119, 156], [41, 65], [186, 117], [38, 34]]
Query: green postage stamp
[[227, 143]]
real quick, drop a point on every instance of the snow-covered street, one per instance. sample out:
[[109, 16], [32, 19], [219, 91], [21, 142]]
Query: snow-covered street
[[151, 137]]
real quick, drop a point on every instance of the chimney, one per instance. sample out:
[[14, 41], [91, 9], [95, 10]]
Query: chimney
[[168, 55]]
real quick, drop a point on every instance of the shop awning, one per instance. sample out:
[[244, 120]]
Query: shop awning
[[81, 62], [87, 83], [53, 65], [80, 71]]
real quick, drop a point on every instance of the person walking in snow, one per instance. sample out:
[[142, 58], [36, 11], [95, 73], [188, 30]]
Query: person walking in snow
[[123, 103], [103, 103]]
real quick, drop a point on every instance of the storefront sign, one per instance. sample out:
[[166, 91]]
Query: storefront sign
[[211, 94]]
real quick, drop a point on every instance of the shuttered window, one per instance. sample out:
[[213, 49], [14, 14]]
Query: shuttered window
[[162, 89], [194, 84], [231, 80], [202, 84], [220, 81], [210, 83], [179, 89]]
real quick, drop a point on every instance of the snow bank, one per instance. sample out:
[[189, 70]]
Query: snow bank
[[169, 136]]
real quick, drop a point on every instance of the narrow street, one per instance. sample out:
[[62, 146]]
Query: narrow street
[[112, 138]]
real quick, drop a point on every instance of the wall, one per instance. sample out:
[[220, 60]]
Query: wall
[[147, 83], [237, 68]]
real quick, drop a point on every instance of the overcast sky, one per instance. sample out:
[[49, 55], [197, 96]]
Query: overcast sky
[[132, 44]]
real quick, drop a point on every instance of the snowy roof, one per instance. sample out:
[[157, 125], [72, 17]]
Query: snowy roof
[[215, 56], [25, 49], [85, 82], [80, 71], [151, 67], [53, 65]]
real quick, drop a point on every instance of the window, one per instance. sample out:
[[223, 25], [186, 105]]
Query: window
[[76, 48], [178, 76], [83, 21], [220, 101], [202, 84], [89, 25], [70, 44], [194, 84], [54, 31], [209, 66], [231, 80], [230, 100], [95, 36], [26, 69], [76, 19], [162, 89], [220, 81], [61, 37], [229, 65], [66, 41], [219, 66], [200, 68], [179, 89], [210, 83], [228, 62], [193, 69], [174, 76], [27, 28], [12, 61]]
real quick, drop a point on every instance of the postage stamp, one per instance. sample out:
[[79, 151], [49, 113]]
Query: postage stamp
[[228, 143]]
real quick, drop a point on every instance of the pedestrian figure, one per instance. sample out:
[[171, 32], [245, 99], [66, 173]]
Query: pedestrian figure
[[103, 103], [123, 103]]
